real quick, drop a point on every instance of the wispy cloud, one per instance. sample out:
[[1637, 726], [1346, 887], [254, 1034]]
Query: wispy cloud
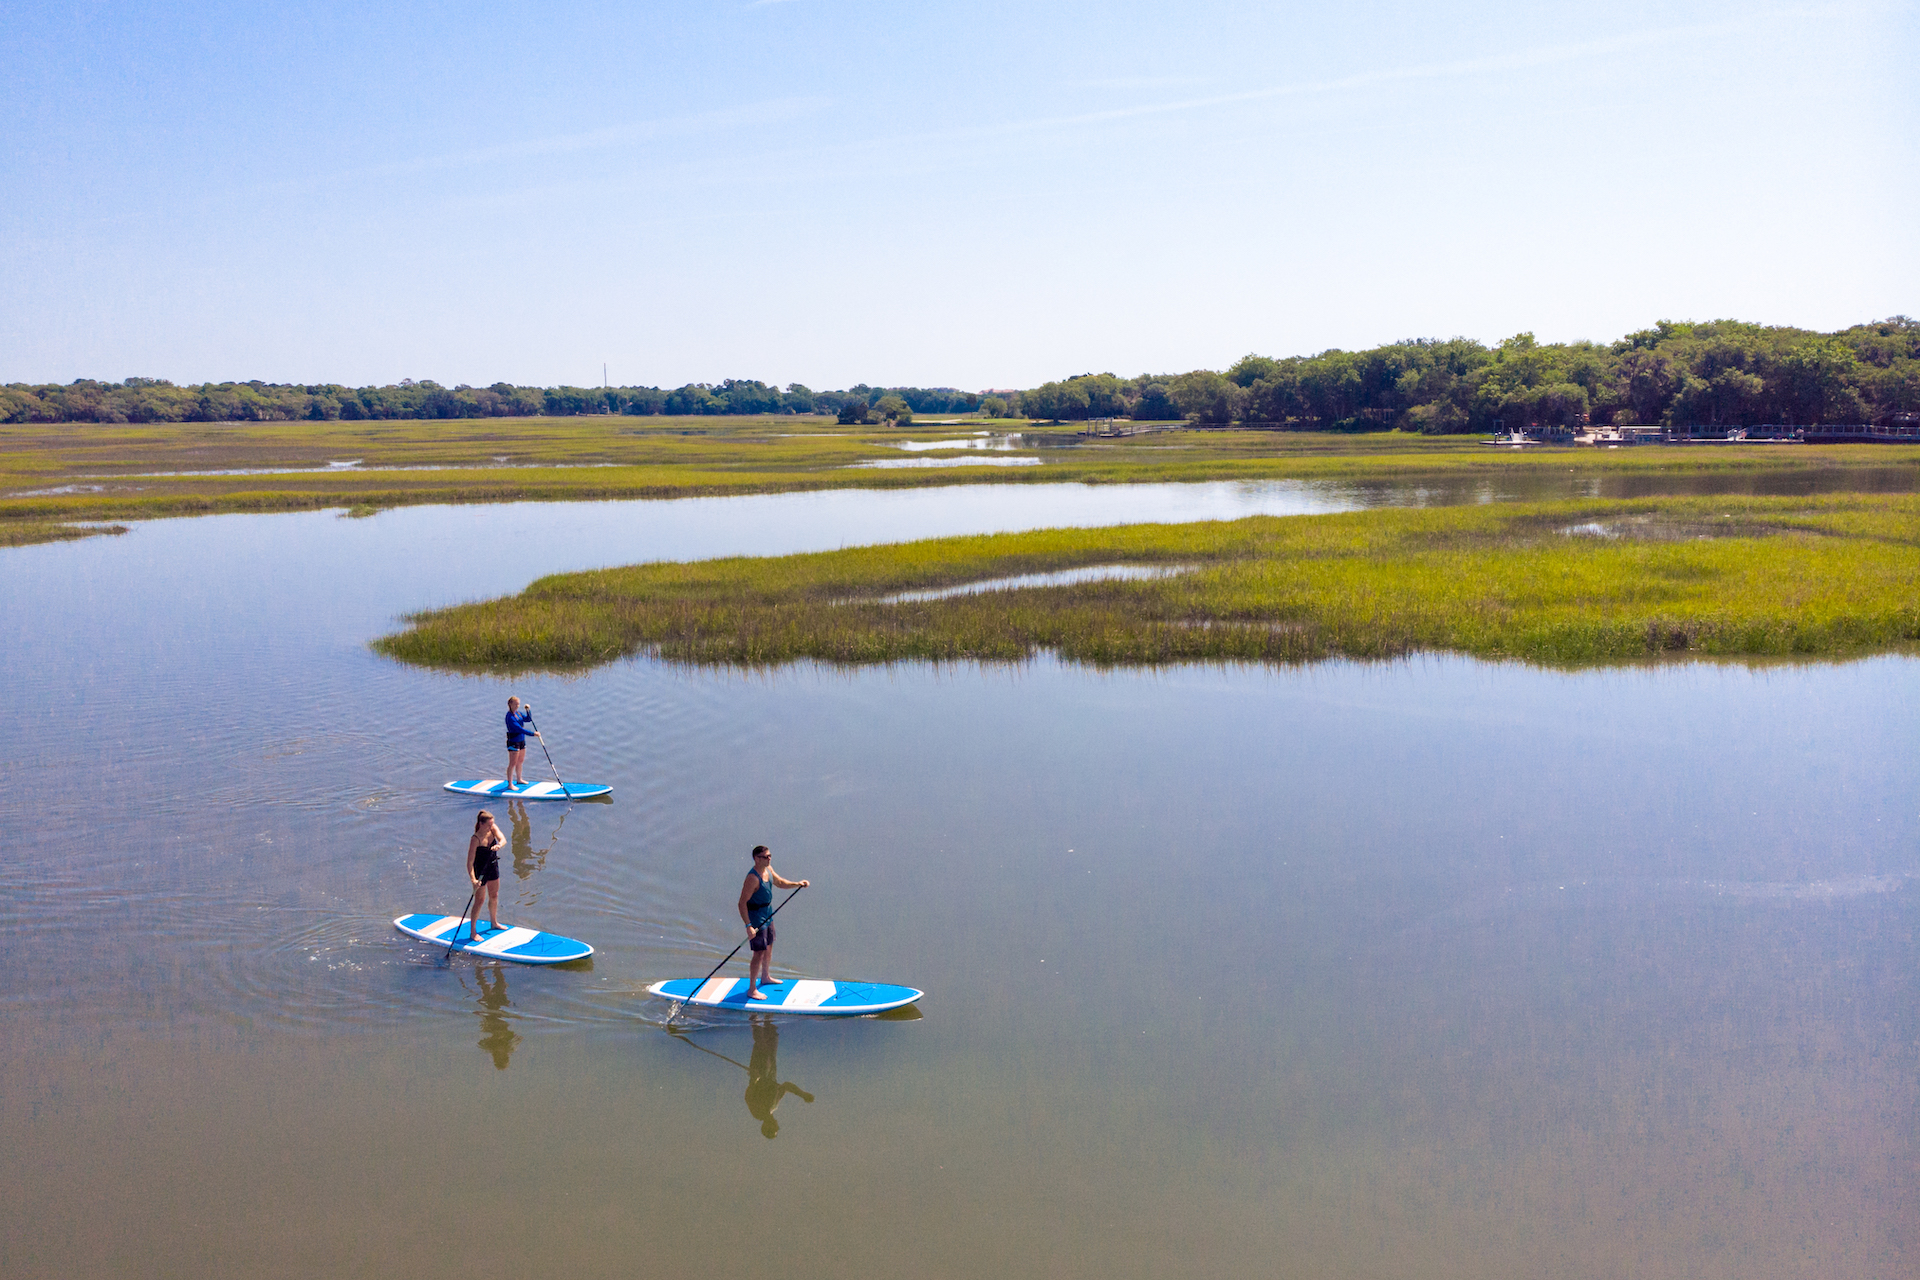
[[925, 153], [1520, 60], [1136, 82], [752, 115], [747, 115]]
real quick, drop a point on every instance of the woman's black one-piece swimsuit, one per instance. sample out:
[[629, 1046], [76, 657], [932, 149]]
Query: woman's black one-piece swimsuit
[[486, 861]]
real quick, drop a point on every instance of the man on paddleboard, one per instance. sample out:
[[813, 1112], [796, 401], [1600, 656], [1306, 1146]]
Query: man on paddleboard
[[756, 910], [518, 718]]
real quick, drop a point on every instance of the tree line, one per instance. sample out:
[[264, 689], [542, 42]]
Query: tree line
[[1723, 372], [158, 400]]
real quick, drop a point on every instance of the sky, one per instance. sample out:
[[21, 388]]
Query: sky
[[977, 194]]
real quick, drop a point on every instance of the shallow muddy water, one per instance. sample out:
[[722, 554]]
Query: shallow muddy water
[[1430, 968]]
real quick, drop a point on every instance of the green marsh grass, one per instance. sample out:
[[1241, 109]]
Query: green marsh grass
[[28, 532], [1731, 576], [51, 474]]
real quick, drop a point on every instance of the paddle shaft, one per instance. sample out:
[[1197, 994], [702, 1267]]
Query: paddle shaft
[[736, 951], [455, 936], [548, 754]]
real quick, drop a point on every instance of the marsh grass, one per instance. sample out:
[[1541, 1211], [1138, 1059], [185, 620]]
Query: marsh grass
[[24, 533], [50, 474], [1739, 576]]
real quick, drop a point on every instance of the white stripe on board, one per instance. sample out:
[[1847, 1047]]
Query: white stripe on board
[[713, 990], [513, 936], [808, 993], [538, 789]]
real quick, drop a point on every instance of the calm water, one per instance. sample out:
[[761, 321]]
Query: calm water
[[1432, 968]]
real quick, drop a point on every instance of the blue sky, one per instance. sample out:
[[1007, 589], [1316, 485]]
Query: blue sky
[[982, 194]]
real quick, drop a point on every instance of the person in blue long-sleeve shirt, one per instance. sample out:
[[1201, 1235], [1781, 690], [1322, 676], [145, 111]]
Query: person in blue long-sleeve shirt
[[519, 720]]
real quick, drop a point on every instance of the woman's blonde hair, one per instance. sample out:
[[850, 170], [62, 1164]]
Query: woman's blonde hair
[[482, 818]]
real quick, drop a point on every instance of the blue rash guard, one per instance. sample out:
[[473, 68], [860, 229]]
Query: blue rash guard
[[517, 722]]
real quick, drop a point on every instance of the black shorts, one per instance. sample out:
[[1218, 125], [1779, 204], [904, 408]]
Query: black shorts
[[520, 745], [763, 939], [488, 871]]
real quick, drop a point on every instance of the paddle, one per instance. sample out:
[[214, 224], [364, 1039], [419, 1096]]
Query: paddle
[[455, 935], [547, 754], [675, 1011]]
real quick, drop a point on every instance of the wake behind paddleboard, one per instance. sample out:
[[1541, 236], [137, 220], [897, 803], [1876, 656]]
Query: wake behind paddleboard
[[508, 942], [795, 995], [497, 789]]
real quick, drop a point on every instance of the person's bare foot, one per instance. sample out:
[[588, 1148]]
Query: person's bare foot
[[756, 994], [769, 982]]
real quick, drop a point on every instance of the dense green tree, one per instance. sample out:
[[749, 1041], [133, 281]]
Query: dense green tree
[[744, 395], [694, 398], [1717, 372], [1250, 368], [1329, 389], [1817, 380], [1559, 404], [1058, 401], [1154, 402], [1204, 396]]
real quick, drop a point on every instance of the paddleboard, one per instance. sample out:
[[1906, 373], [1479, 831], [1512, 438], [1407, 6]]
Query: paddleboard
[[497, 789], [508, 942], [795, 995]]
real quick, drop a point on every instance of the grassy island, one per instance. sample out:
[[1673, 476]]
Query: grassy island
[[23, 533], [1561, 582]]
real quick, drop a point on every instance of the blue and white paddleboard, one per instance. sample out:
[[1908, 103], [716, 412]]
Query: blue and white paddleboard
[[497, 789], [508, 942], [794, 995]]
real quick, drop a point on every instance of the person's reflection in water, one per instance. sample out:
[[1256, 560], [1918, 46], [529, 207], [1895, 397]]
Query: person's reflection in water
[[500, 1037], [764, 1086], [525, 862]]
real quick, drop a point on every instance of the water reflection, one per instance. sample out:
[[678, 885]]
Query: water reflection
[[765, 1088], [1060, 578], [498, 1038], [1634, 1017], [896, 464], [523, 857], [526, 858]]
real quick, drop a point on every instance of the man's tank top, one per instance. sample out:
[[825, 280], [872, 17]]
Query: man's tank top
[[760, 904]]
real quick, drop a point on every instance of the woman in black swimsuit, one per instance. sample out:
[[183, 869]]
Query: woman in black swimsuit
[[483, 866]]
